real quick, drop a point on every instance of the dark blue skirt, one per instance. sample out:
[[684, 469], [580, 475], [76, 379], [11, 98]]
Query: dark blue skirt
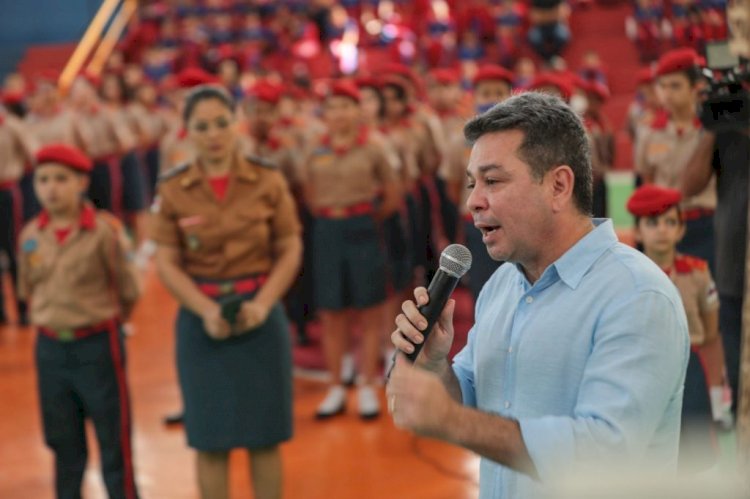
[[237, 392]]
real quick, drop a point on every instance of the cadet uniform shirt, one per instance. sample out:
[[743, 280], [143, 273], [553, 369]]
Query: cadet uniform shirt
[[346, 177], [231, 238], [405, 142], [150, 124], [104, 133], [15, 148], [693, 280], [280, 148], [453, 168], [57, 128], [88, 279], [664, 151]]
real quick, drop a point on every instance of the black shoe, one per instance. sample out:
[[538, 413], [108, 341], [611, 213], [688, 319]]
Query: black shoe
[[174, 419]]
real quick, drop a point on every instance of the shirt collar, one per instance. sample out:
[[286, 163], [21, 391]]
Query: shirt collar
[[86, 220], [574, 263]]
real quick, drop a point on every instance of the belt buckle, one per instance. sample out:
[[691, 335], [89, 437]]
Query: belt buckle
[[66, 335], [226, 288], [338, 212]]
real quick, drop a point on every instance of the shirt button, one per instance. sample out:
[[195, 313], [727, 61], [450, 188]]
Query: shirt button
[[507, 404], [529, 299], [510, 349]]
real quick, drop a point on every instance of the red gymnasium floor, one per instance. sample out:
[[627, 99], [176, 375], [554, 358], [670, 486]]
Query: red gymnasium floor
[[343, 458]]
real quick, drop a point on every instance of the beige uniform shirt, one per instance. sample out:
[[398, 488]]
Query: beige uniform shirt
[[698, 292], [58, 128], [149, 124], [88, 279], [341, 178], [230, 238], [663, 153], [16, 148], [453, 168], [105, 132]]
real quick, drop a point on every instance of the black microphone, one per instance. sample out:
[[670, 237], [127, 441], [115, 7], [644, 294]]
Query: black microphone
[[455, 261]]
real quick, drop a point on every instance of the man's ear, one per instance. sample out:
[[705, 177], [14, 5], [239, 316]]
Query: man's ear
[[562, 182]]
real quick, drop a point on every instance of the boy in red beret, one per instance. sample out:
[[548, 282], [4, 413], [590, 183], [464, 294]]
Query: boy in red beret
[[670, 142], [659, 227], [76, 271]]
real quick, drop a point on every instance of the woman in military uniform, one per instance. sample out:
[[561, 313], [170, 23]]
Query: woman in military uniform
[[228, 249]]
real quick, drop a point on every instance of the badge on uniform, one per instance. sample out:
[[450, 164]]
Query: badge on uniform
[[193, 242], [30, 245]]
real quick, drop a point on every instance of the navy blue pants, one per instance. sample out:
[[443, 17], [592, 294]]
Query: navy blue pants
[[82, 379], [730, 325], [699, 240], [11, 221]]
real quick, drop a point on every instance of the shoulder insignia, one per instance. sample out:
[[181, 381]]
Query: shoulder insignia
[[685, 264], [110, 220], [173, 172], [260, 161]]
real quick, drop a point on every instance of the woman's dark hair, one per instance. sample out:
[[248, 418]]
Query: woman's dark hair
[[381, 99], [206, 92], [553, 135]]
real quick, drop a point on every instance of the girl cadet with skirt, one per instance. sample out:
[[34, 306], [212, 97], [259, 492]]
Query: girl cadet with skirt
[[350, 190], [228, 249]]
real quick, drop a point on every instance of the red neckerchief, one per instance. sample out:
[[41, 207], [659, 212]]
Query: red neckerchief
[[662, 118], [359, 141], [86, 220]]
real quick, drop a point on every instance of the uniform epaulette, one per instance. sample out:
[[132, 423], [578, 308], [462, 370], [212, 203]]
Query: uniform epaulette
[[173, 172], [110, 220], [685, 264], [260, 161]]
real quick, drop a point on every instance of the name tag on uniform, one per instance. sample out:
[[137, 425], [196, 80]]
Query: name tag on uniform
[[658, 148], [191, 221]]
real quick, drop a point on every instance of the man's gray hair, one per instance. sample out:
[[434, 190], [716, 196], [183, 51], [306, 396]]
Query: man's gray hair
[[553, 135]]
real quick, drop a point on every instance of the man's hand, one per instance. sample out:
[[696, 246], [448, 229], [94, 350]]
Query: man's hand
[[214, 324], [251, 315], [411, 325], [418, 401]]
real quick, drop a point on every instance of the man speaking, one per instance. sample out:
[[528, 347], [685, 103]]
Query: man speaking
[[578, 354]]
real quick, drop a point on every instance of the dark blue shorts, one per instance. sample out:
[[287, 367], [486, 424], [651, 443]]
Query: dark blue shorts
[[349, 263], [133, 183]]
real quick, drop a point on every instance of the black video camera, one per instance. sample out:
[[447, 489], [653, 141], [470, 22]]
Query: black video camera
[[727, 103]]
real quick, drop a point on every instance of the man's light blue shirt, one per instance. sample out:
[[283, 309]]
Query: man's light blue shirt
[[590, 360]]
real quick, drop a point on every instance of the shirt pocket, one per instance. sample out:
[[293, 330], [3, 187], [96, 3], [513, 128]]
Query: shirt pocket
[[253, 225]]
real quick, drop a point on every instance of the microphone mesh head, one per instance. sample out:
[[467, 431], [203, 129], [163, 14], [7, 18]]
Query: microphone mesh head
[[455, 260]]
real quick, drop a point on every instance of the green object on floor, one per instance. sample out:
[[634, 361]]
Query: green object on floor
[[620, 186]]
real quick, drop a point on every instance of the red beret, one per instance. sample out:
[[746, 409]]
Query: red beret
[[344, 88], [368, 81], [401, 70], [64, 154], [552, 80], [492, 72], [12, 98], [597, 88], [94, 79], [192, 77], [266, 91], [392, 80], [652, 200], [676, 60], [645, 76], [444, 76]]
